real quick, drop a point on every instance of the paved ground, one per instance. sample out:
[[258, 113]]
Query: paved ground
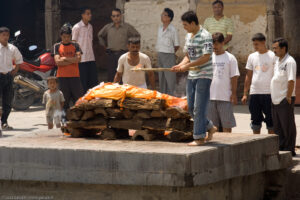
[[33, 120]]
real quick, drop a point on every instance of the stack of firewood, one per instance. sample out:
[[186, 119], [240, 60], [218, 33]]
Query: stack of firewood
[[151, 119]]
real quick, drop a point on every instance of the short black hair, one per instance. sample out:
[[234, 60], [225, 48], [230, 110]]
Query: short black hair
[[117, 10], [65, 30], [218, 37], [190, 16], [134, 40], [83, 9], [282, 43], [170, 13], [258, 37], [218, 1], [4, 29]]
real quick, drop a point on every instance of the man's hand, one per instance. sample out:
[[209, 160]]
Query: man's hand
[[180, 68], [244, 99], [233, 99], [289, 100]]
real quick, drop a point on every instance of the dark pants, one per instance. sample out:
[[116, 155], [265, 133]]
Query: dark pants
[[260, 109], [88, 75], [71, 88], [113, 58], [284, 124], [7, 93]]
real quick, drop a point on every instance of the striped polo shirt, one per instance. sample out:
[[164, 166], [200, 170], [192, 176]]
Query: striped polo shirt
[[223, 25], [196, 47]]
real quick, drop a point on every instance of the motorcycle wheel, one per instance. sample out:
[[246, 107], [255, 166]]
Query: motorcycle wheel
[[22, 102]]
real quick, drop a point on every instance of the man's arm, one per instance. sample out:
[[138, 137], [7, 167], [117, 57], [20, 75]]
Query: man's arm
[[75, 59], [118, 77], [233, 97], [102, 35], [61, 61], [176, 48], [289, 93], [247, 84], [75, 33], [151, 79], [184, 67]]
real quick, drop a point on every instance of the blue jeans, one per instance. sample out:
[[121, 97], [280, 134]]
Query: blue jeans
[[198, 92]]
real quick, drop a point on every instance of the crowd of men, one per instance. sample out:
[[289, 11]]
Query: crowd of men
[[212, 71]]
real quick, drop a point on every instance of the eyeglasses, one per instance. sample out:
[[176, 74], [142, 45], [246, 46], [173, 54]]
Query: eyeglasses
[[115, 16]]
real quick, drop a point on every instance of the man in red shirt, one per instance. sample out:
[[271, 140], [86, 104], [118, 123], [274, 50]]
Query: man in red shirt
[[67, 55]]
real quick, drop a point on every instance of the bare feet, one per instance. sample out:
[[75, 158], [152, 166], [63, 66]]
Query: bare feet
[[197, 142], [210, 133]]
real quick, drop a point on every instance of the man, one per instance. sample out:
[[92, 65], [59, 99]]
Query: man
[[83, 34], [67, 55], [260, 67], [283, 96], [113, 37], [134, 59], [8, 54], [219, 23], [166, 47], [199, 49], [223, 86]]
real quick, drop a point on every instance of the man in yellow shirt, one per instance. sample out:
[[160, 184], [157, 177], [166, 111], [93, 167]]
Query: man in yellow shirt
[[219, 23]]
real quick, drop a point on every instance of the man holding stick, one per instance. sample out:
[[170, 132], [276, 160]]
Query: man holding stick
[[199, 47]]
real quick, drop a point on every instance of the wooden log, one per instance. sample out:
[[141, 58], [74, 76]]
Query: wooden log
[[142, 114], [114, 112], [155, 124], [101, 111], [125, 124], [143, 135], [128, 114], [180, 125], [80, 132], [88, 114], [176, 113], [108, 134], [74, 114], [98, 123], [142, 104], [158, 113], [179, 136], [122, 133], [96, 103]]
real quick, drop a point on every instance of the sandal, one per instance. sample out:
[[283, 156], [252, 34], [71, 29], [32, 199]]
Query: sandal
[[211, 133], [6, 127]]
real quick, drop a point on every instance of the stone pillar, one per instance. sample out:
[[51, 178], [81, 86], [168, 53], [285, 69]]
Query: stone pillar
[[274, 20], [52, 22]]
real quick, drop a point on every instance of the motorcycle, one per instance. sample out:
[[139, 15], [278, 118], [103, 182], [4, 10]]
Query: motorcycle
[[31, 80]]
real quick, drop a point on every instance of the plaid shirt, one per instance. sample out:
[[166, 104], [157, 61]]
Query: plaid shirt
[[196, 47]]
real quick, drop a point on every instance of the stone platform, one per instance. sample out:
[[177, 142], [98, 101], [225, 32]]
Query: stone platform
[[157, 167]]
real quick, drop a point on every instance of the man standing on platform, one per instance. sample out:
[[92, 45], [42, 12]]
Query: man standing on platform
[[166, 47], [113, 37], [219, 23], [199, 48], [82, 33], [283, 87]]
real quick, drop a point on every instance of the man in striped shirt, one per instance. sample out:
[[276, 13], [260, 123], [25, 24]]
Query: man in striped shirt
[[219, 23], [198, 47]]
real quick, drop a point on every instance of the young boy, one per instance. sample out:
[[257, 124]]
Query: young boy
[[54, 101], [223, 86], [67, 56]]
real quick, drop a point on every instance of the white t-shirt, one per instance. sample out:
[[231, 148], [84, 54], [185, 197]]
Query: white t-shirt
[[224, 68], [284, 71], [133, 77], [262, 66]]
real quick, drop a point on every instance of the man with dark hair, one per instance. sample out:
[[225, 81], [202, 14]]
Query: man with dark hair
[[199, 48], [223, 86], [82, 33], [166, 46], [134, 59], [283, 87], [113, 37], [260, 67], [219, 23], [67, 55], [8, 54]]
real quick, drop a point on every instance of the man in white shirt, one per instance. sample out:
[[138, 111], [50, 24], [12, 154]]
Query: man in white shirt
[[134, 59], [283, 87], [8, 54], [260, 67], [166, 47], [82, 33], [223, 86]]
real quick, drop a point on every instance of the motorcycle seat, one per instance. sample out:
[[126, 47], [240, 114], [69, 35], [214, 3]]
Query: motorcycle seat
[[36, 62]]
